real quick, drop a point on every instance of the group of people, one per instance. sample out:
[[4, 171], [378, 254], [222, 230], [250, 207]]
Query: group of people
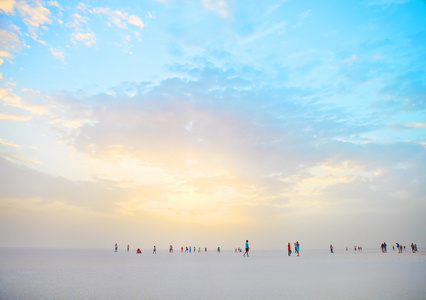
[[401, 248], [192, 248], [296, 248]]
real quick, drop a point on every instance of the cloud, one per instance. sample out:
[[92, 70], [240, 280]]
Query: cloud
[[21, 158], [58, 54], [87, 38], [9, 44], [9, 143], [34, 15], [219, 7], [136, 21], [209, 136], [405, 92], [351, 58], [306, 14], [54, 3], [416, 124], [151, 16], [9, 97], [7, 6], [119, 18], [79, 19], [25, 183], [261, 33], [14, 117], [82, 6]]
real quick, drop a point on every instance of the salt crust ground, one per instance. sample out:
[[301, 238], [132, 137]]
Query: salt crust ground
[[103, 274]]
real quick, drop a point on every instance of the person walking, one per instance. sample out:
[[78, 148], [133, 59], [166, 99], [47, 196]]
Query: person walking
[[247, 249], [289, 249]]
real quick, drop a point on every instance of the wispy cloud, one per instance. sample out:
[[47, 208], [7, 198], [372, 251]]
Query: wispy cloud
[[416, 124], [34, 15], [262, 32], [15, 117], [8, 143], [119, 17], [306, 14], [58, 54], [9, 44], [352, 58], [219, 7], [21, 158], [88, 38]]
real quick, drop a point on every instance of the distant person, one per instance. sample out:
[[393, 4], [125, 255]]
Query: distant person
[[297, 248], [186, 249], [154, 251], [128, 248], [116, 247], [218, 249], [181, 249], [331, 248], [289, 249], [205, 249], [171, 249], [247, 249], [138, 251]]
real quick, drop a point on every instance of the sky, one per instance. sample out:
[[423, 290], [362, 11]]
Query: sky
[[209, 122]]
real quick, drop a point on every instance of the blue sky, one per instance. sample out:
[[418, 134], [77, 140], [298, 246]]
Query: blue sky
[[216, 120]]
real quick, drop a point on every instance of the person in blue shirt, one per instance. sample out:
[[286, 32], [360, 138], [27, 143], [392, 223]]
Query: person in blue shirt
[[247, 249], [297, 248]]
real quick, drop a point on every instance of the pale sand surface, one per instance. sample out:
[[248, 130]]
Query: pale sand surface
[[104, 274]]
